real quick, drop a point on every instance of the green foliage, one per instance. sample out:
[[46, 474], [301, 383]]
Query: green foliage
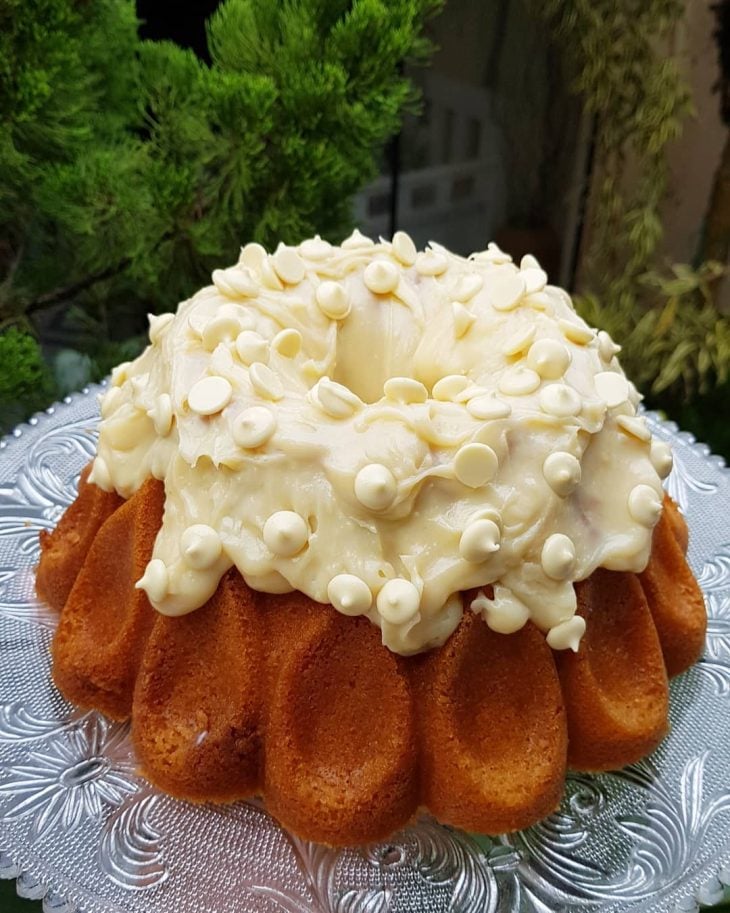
[[26, 384], [129, 169], [676, 342]]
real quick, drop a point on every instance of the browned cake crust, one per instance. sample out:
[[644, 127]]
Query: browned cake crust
[[282, 697]]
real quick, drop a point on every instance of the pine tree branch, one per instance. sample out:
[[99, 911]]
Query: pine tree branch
[[49, 299]]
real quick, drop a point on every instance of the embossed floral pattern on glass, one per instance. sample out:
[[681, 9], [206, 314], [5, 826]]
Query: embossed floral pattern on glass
[[78, 826]]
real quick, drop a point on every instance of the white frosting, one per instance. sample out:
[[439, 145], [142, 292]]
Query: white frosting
[[383, 429]]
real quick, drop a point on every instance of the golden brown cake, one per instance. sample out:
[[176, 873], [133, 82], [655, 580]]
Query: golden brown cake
[[519, 655]]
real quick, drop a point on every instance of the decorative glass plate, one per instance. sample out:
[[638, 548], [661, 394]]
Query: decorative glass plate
[[79, 829]]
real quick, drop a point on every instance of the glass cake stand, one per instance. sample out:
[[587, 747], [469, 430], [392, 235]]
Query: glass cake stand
[[80, 830]]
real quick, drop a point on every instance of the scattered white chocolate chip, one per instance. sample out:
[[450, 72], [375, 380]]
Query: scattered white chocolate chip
[[479, 540], [335, 399], [645, 505], [285, 533], [287, 342], [529, 262], [251, 347], [518, 342], [269, 276], [475, 465], [661, 458], [635, 426], [332, 300], [562, 472], [463, 320], [253, 427], [210, 395], [100, 475], [200, 546], [356, 241], [504, 614], [399, 601], [158, 325], [405, 390], [493, 254], [535, 280], [467, 287], [252, 256], [607, 348], [613, 388], [267, 384], [518, 381], [381, 277], [235, 282], [288, 264], [155, 581], [161, 414], [349, 594], [431, 263], [558, 556], [404, 248], [506, 291], [549, 358], [376, 487], [449, 387], [560, 400], [567, 635], [225, 325], [488, 407], [315, 249], [578, 333]]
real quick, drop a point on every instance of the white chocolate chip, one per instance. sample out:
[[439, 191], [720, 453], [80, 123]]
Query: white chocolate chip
[[335, 399], [399, 601], [405, 390], [567, 635], [158, 326], [404, 248], [645, 505], [155, 581], [269, 276], [518, 342], [479, 541], [100, 475], [529, 262], [607, 348], [539, 301], [449, 387], [467, 287], [285, 533], [463, 320], [613, 388], [535, 280], [493, 254], [288, 265], [381, 277], [252, 256], [349, 594], [161, 414], [253, 427], [660, 455], [315, 249], [356, 241], [475, 465], [560, 400], [265, 382], [200, 546], [488, 407], [332, 300], [376, 487], [506, 291], [431, 263], [562, 472], [504, 614], [635, 426], [251, 347], [225, 325], [518, 381], [210, 395], [287, 343], [235, 282], [558, 556], [578, 333], [549, 358]]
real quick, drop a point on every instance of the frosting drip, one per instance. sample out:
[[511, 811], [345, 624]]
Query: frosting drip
[[382, 429]]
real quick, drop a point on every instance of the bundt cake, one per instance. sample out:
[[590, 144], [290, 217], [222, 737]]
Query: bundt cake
[[371, 530]]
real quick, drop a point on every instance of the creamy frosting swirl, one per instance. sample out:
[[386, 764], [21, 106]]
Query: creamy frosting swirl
[[383, 429]]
